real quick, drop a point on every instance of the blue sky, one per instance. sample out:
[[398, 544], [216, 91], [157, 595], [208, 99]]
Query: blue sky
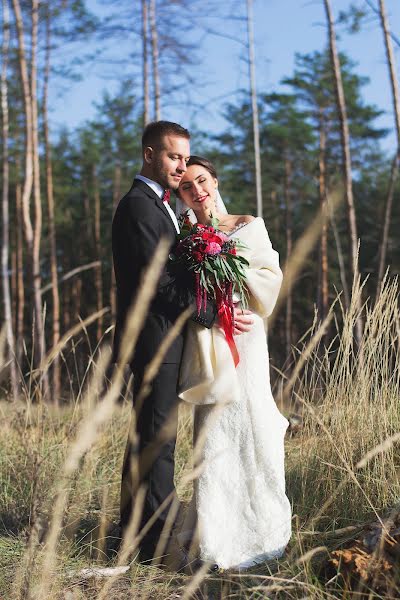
[[282, 28]]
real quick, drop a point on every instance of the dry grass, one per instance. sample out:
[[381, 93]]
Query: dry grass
[[60, 474]]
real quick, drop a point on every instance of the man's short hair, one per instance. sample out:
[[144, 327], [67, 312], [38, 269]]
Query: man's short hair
[[154, 133]]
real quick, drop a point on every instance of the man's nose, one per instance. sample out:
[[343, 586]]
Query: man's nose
[[182, 166]]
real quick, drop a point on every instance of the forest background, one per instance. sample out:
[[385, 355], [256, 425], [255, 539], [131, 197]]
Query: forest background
[[308, 141], [151, 60]]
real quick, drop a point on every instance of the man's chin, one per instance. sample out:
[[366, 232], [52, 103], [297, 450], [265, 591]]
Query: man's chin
[[174, 184]]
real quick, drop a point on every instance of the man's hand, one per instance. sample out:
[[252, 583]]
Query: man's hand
[[243, 320]]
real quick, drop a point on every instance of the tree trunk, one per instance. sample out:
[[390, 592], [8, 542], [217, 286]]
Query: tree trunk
[[52, 231], [76, 295], [340, 255], [86, 206], [116, 197], [154, 53], [14, 291], [394, 173], [324, 232], [345, 137], [37, 231], [289, 246], [256, 126], [97, 241], [66, 306], [5, 204], [146, 98], [275, 210], [20, 270], [395, 167], [28, 175]]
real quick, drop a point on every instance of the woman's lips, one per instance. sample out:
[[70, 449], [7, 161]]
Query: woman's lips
[[201, 198]]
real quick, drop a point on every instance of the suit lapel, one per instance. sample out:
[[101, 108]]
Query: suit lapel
[[161, 205], [138, 183]]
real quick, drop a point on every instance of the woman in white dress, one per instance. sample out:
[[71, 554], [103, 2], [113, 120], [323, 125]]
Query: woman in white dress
[[242, 513]]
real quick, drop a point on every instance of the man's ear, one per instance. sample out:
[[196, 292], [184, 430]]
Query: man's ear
[[148, 155]]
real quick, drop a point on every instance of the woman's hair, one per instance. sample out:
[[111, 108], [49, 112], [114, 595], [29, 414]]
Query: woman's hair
[[203, 162]]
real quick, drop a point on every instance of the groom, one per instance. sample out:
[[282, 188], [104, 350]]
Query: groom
[[142, 217]]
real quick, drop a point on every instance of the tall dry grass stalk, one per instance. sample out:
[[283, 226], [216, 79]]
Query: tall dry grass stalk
[[352, 419], [91, 426], [342, 468]]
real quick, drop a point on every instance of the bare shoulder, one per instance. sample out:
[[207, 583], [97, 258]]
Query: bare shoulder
[[243, 219], [231, 222]]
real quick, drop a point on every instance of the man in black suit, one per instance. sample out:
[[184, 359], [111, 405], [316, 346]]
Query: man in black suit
[[142, 217]]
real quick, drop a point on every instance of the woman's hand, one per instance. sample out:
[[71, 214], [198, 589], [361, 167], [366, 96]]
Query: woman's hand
[[243, 320]]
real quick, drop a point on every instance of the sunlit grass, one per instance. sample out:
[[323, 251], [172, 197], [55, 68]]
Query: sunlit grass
[[339, 476]]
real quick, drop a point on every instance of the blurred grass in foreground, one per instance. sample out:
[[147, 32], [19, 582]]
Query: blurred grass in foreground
[[339, 475]]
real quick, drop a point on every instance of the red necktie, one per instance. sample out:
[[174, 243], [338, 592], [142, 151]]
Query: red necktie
[[167, 195]]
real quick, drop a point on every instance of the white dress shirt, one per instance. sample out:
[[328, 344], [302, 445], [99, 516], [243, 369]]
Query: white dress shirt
[[159, 190]]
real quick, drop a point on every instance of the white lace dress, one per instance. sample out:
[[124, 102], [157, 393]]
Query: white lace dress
[[243, 514]]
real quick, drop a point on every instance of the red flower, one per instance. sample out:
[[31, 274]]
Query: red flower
[[213, 248], [198, 256], [211, 237]]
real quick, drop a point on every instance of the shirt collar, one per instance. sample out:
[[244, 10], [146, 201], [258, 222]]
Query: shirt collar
[[156, 187]]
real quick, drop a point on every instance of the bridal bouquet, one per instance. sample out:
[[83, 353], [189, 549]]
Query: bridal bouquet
[[219, 271]]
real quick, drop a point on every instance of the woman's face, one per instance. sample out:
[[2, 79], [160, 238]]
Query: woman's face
[[198, 189]]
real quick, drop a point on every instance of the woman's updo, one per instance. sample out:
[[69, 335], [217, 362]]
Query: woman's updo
[[203, 162]]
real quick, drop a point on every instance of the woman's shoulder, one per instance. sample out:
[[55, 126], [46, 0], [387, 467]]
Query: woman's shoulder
[[238, 219]]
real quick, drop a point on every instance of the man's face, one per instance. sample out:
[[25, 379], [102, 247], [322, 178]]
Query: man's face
[[168, 162]]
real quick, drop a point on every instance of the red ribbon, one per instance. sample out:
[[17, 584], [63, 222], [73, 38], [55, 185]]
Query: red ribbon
[[226, 321]]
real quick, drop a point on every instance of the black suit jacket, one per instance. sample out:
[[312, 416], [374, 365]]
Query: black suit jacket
[[140, 220]]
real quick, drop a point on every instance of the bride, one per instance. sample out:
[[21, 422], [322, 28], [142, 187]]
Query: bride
[[239, 511]]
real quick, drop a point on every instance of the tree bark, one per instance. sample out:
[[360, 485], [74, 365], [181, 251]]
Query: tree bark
[[5, 204], [289, 247], [392, 67], [28, 175], [324, 231], [394, 173], [345, 137], [116, 197], [66, 306], [37, 231], [13, 291], [340, 255], [52, 231], [256, 125], [97, 241], [390, 58], [20, 269], [76, 294], [86, 206], [154, 54], [145, 58]]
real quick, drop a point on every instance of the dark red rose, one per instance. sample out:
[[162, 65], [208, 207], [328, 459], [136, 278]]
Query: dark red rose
[[198, 256]]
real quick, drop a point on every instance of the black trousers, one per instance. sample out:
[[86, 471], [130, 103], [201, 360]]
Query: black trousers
[[151, 461]]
